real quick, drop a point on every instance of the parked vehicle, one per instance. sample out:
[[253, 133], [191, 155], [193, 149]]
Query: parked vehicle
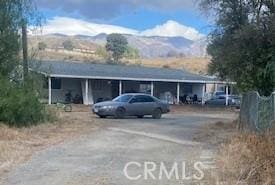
[[132, 104], [218, 94], [233, 100]]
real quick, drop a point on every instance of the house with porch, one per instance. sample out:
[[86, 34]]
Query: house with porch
[[94, 82]]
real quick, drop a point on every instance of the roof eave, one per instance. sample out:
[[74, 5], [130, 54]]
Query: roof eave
[[138, 79]]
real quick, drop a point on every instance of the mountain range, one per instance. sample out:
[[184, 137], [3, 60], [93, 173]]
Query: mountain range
[[148, 46], [170, 39]]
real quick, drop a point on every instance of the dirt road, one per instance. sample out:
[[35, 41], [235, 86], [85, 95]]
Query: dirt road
[[100, 157]]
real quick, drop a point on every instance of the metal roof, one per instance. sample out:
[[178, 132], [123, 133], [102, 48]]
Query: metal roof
[[116, 72]]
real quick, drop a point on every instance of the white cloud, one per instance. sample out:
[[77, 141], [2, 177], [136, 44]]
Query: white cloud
[[173, 29], [70, 26]]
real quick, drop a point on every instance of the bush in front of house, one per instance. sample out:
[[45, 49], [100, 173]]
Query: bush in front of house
[[19, 105]]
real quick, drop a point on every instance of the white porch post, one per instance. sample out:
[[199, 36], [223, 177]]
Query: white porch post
[[203, 94], [50, 90], [86, 92], [226, 93], [216, 87], [120, 87], [178, 93], [152, 88], [91, 101]]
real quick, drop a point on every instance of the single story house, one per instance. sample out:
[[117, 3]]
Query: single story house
[[94, 82]]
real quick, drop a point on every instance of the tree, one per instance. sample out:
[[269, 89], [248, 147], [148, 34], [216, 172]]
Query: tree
[[131, 53], [68, 45], [102, 52], [14, 15], [19, 103], [42, 46], [117, 44], [242, 45]]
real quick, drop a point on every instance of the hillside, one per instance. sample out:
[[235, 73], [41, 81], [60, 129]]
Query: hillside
[[55, 41], [168, 52], [156, 46], [148, 46], [195, 64]]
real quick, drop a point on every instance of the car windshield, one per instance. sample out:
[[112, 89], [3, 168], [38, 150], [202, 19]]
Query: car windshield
[[123, 98], [219, 93]]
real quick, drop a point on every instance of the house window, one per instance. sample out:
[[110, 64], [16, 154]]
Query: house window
[[56, 83]]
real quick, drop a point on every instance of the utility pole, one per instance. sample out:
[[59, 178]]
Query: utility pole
[[25, 50]]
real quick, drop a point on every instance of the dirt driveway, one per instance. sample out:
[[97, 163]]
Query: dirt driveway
[[100, 157]]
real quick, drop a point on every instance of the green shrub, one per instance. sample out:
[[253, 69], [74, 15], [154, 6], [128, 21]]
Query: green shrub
[[42, 46], [68, 45], [20, 106]]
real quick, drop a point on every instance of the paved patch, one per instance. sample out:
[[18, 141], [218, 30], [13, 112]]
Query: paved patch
[[100, 158]]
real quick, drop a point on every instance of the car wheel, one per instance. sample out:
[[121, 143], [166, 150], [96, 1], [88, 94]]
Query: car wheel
[[140, 116], [120, 113], [157, 114], [102, 116]]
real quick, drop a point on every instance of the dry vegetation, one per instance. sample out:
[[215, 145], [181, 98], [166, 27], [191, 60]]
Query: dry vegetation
[[197, 108], [64, 56], [17, 145], [53, 41], [54, 51], [247, 159], [216, 134], [195, 64]]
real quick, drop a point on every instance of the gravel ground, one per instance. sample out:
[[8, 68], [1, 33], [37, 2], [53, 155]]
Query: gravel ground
[[100, 157]]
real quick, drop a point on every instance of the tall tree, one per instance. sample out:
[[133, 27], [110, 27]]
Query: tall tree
[[25, 49], [242, 45], [19, 104], [117, 44], [15, 15]]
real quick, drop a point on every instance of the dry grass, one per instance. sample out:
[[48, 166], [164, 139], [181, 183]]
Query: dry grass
[[242, 159], [197, 108], [247, 159], [69, 56], [216, 134], [17, 145], [195, 64], [53, 41]]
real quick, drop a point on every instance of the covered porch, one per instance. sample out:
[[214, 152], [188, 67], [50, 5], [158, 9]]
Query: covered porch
[[90, 91]]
